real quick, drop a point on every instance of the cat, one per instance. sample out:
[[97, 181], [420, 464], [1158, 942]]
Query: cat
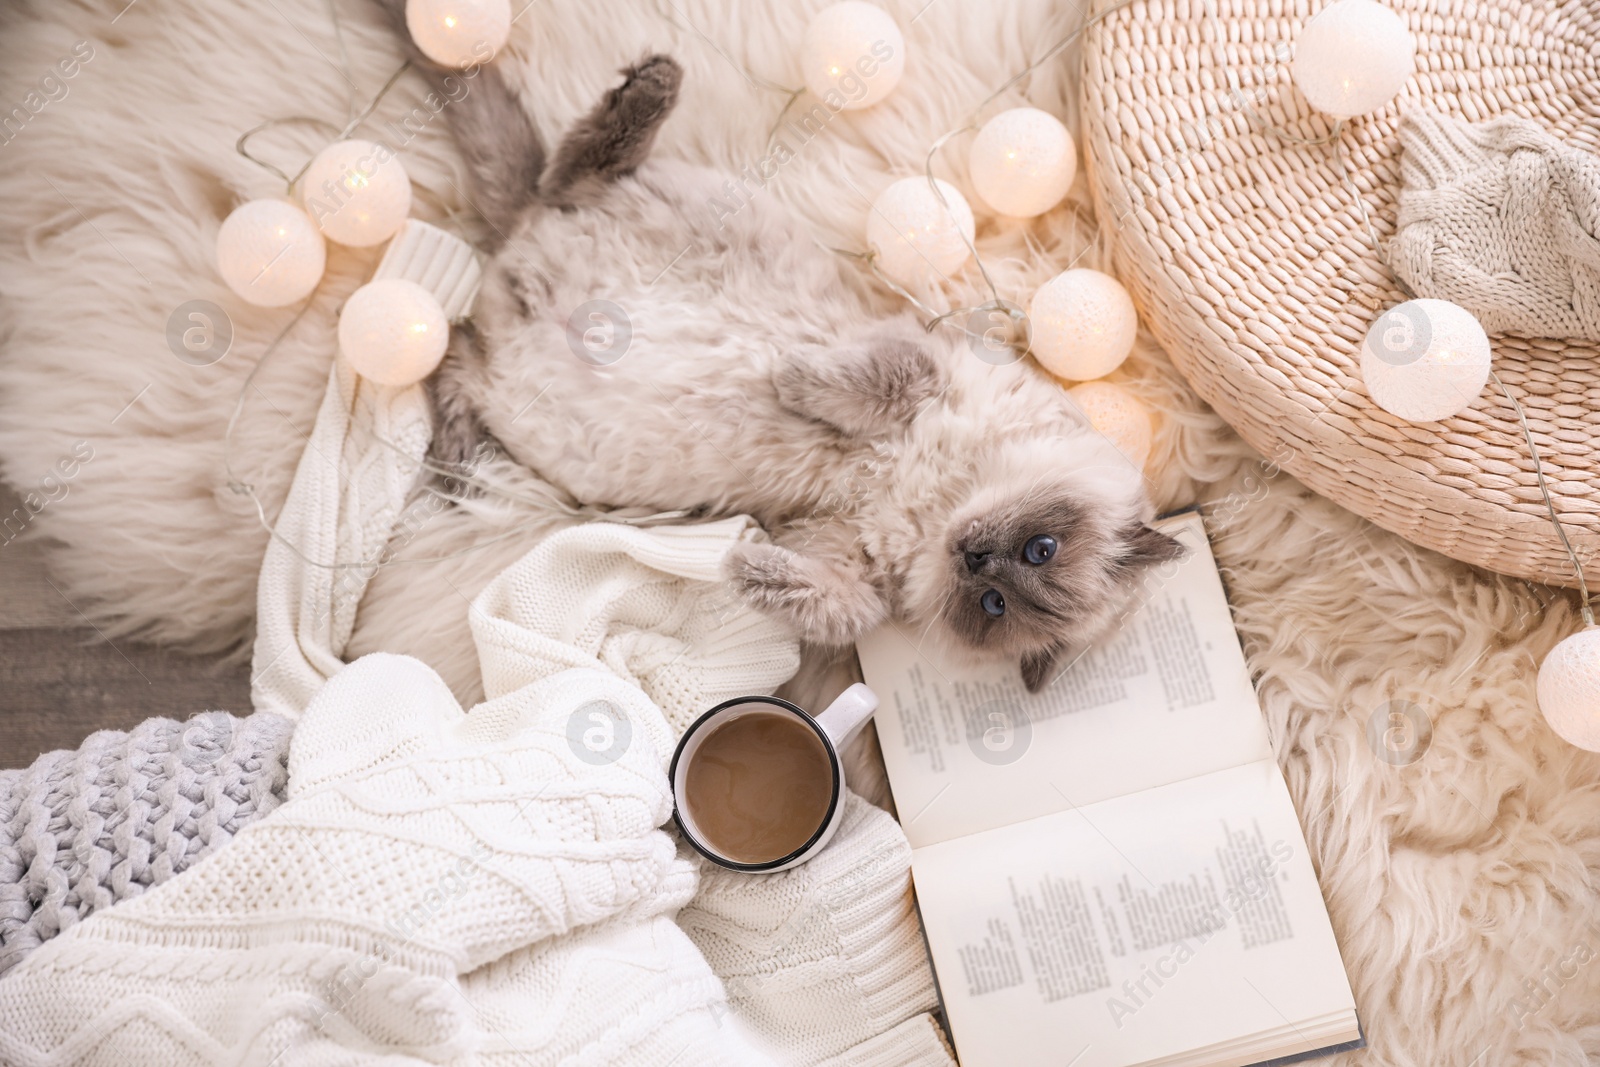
[[636, 347]]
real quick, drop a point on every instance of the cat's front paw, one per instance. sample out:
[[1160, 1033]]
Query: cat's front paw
[[868, 390], [825, 601]]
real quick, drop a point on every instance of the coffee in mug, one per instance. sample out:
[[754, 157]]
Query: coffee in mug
[[757, 781], [760, 786]]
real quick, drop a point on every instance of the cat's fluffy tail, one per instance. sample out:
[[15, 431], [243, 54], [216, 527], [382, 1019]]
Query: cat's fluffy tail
[[496, 135]]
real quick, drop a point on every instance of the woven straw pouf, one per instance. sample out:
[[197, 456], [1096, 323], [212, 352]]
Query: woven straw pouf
[[1251, 262]]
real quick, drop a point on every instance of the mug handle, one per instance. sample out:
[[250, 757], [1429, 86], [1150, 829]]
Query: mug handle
[[848, 712]]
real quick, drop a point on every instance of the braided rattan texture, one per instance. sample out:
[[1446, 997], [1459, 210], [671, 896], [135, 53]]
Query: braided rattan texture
[[1251, 262]]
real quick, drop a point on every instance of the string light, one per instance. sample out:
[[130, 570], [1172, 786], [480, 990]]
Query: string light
[[459, 33], [270, 253], [1119, 416], [1084, 324], [996, 308], [1353, 58], [357, 192], [1428, 359], [918, 234], [1568, 686], [1022, 162], [891, 267], [393, 332], [532, 492], [1425, 360], [852, 55], [1568, 689]]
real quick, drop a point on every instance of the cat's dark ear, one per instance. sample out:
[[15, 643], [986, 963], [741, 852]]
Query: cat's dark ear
[[1041, 668], [1144, 547]]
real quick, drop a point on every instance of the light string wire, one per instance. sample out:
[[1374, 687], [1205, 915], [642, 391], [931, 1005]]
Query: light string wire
[[1335, 138], [355, 121], [553, 499], [548, 498], [995, 303], [1585, 607], [572, 509], [869, 258]]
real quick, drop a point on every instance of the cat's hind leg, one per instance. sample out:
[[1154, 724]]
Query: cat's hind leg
[[864, 390], [614, 138], [822, 598]]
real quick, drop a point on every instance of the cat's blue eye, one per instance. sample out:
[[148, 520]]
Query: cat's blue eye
[[993, 603], [1039, 549]]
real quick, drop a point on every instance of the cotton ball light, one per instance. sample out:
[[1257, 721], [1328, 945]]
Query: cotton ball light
[[1022, 162], [855, 51], [1084, 324], [1425, 360], [270, 253], [1353, 57], [357, 192], [916, 238], [1119, 416], [393, 331], [1569, 689], [459, 33]]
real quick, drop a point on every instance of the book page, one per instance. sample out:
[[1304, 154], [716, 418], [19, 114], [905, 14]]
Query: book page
[[1164, 696], [1139, 928]]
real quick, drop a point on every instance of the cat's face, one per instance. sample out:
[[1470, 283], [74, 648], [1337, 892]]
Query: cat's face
[[1039, 570]]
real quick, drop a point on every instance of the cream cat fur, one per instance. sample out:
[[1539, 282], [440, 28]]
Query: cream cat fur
[[637, 347]]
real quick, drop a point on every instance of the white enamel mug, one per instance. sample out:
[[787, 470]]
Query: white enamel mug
[[835, 726]]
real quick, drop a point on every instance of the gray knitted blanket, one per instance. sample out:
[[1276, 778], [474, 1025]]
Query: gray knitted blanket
[[81, 830]]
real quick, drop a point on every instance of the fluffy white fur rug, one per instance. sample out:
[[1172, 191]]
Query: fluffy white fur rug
[[1462, 885]]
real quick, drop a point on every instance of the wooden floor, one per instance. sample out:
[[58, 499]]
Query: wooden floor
[[60, 679]]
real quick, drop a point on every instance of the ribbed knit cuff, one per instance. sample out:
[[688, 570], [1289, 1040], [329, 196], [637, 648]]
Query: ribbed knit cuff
[[917, 1042], [866, 888], [714, 647], [828, 957], [1440, 149], [1435, 150]]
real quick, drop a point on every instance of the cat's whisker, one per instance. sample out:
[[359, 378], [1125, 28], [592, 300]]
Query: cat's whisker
[[944, 604]]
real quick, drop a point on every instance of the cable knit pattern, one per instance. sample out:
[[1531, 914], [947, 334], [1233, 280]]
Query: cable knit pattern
[[483, 887], [836, 938], [81, 830], [477, 887], [360, 463], [1503, 219]]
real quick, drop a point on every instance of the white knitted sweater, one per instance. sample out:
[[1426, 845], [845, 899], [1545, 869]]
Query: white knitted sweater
[[472, 887], [484, 887]]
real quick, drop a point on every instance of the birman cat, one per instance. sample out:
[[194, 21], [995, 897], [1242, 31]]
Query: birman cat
[[638, 345]]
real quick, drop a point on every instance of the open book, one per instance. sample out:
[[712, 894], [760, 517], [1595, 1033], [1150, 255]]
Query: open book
[[1111, 872]]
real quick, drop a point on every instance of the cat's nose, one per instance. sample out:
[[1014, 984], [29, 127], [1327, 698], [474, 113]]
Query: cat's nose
[[975, 561]]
